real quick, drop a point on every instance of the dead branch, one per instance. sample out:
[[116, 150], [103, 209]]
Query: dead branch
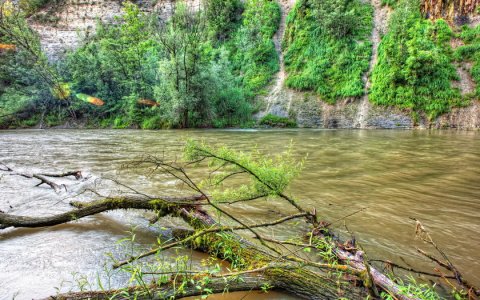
[[394, 265], [319, 284], [43, 177], [77, 174], [423, 234]]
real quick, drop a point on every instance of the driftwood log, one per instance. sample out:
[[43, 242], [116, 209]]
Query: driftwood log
[[297, 278], [44, 178]]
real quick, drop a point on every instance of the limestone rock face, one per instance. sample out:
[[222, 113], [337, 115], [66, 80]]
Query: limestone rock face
[[63, 24]]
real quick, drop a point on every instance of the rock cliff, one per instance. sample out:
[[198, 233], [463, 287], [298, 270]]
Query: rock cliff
[[309, 111], [63, 24]]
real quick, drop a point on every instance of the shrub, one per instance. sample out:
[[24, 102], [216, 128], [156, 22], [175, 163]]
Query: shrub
[[253, 53], [276, 121]]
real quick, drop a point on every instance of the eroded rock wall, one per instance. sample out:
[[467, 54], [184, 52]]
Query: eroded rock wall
[[63, 24]]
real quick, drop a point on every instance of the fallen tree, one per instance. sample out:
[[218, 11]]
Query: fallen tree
[[338, 270]]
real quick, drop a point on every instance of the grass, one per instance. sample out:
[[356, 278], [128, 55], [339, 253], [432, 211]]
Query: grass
[[252, 49]]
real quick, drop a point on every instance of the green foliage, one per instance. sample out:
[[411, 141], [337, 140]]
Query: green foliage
[[199, 88], [327, 47], [25, 74], [223, 17], [252, 50], [118, 64], [174, 64], [197, 69], [271, 175], [471, 52], [276, 121], [414, 69]]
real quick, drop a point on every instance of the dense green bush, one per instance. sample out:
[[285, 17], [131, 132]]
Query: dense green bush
[[414, 69], [184, 65], [276, 121], [327, 47], [252, 50], [25, 75], [224, 17]]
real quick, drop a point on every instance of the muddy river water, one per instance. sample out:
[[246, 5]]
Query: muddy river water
[[433, 176]]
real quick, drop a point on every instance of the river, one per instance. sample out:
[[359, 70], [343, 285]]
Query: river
[[430, 175]]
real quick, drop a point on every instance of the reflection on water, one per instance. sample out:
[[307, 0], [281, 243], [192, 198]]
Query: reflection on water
[[432, 176]]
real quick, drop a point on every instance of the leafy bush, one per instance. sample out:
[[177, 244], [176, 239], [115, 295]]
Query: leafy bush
[[24, 72], [327, 47], [276, 121], [414, 69], [223, 17]]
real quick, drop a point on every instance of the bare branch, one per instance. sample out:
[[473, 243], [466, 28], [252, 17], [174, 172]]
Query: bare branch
[[394, 265]]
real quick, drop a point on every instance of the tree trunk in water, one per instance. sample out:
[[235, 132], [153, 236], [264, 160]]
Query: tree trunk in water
[[168, 290], [296, 279]]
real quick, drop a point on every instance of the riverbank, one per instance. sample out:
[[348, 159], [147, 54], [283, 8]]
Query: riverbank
[[307, 113]]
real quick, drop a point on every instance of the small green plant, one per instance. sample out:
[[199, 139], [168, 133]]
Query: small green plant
[[121, 122], [470, 52], [418, 290], [266, 287]]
